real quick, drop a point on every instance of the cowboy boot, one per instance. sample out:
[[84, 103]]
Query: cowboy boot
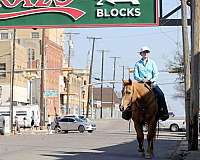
[[163, 115]]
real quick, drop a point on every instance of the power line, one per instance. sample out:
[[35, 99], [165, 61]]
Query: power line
[[135, 35]]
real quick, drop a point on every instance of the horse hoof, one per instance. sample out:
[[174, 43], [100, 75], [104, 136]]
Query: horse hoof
[[148, 156]]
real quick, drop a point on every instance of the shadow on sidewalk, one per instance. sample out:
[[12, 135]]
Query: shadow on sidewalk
[[163, 150]]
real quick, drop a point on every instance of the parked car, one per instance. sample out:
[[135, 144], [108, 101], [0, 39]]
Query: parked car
[[174, 123], [75, 115], [75, 124], [82, 117]]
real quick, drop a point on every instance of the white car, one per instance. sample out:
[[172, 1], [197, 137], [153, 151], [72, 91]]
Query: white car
[[174, 124], [75, 124]]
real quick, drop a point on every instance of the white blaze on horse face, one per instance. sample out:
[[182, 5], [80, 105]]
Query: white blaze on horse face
[[126, 97]]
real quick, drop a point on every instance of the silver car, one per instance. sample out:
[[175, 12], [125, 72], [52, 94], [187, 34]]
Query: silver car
[[75, 124]]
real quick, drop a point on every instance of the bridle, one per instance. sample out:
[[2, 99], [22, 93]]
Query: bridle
[[129, 108]]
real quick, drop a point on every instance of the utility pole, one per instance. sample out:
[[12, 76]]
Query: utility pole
[[130, 70], [113, 86], [194, 103], [102, 65], [90, 74], [123, 72], [12, 75], [42, 108], [68, 65], [186, 57]]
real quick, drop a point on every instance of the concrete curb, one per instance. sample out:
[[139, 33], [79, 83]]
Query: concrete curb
[[182, 152]]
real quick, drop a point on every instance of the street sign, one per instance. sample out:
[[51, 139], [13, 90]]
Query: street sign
[[77, 13], [51, 93]]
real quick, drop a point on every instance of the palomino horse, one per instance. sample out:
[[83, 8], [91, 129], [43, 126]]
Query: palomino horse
[[139, 99]]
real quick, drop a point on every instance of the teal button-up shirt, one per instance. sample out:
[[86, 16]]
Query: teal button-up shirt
[[147, 71]]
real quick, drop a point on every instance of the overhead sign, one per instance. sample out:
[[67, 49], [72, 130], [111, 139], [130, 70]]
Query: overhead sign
[[77, 13]]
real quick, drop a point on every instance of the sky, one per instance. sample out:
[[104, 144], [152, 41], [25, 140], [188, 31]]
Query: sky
[[125, 42]]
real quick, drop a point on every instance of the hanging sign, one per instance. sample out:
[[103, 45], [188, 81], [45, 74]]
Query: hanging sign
[[77, 13]]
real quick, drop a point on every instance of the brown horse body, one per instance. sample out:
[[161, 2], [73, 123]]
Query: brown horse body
[[140, 100]]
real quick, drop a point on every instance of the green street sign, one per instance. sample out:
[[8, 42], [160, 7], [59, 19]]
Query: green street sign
[[77, 13]]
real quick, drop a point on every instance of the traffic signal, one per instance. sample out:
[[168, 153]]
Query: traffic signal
[[65, 79]]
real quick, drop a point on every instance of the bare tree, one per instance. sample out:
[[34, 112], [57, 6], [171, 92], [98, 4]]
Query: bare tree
[[176, 66]]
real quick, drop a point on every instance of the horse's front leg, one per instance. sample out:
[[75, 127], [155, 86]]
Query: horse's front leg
[[150, 138], [140, 136]]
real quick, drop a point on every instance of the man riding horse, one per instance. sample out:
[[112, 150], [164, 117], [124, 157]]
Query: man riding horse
[[145, 71]]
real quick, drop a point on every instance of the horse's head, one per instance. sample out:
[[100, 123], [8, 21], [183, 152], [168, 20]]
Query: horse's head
[[127, 95]]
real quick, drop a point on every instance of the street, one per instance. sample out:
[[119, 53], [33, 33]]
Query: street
[[111, 141]]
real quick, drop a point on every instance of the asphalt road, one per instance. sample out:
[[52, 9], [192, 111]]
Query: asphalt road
[[111, 141]]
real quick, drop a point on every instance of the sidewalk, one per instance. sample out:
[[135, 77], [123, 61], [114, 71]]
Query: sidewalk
[[182, 152], [28, 131]]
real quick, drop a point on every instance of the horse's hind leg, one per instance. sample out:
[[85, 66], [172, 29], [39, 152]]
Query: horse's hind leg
[[140, 136]]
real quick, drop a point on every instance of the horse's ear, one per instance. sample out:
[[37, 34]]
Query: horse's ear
[[129, 81], [124, 82]]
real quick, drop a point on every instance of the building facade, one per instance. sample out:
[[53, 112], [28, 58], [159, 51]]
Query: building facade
[[109, 104], [54, 61], [77, 91], [28, 62], [19, 89], [27, 81]]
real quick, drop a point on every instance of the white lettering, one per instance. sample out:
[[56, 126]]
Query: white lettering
[[130, 12], [122, 12], [100, 3], [99, 13], [137, 12], [106, 13], [114, 12]]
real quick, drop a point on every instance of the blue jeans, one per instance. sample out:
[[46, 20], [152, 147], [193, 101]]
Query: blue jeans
[[160, 100]]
